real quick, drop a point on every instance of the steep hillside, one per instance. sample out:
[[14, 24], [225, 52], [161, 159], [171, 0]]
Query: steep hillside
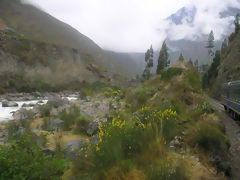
[[37, 25], [133, 63], [229, 68], [38, 51]]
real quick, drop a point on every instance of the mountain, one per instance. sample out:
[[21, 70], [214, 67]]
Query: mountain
[[133, 63], [229, 68], [183, 15], [195, 48], [43, 42]]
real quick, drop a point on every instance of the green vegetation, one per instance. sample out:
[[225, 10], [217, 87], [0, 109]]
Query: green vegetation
[[23, 159], [163, 59], [170, 73], [152, 133], [130, 143]]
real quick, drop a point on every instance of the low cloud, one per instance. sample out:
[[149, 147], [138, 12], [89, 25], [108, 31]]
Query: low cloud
[[132, 25]]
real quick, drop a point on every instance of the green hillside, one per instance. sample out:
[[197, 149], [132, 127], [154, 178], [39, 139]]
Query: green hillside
[[229, 68]]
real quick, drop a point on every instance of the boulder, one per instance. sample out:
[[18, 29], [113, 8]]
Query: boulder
[[9, 104], [28, 105], [56, 124], [92, 127]]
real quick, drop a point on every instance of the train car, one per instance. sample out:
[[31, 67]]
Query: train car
[[231, 98]]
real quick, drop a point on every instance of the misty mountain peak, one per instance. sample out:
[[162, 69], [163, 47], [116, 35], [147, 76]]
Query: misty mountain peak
[[183, 15]]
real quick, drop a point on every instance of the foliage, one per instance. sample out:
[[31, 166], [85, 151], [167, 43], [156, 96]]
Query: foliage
[[139, 96], [209, 138], [45, 110], [125, 139], [181, 58], [163, 60], [149, 63], [210, 43], [204, 107], [212, 73], [236, 22], [24, 160], [161, 123], [89, 89], [193, 80], [170, 73]]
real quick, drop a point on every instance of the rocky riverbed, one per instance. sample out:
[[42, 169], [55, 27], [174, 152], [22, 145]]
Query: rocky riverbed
[[11, 103]]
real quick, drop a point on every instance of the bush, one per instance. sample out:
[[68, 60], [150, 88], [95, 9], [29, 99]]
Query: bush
[[204, 107], [170, 73], [24, 160], [193, 80], [161, 123], [138, 97], [209, 138], [45, 110], [70, 117], [80, 125]]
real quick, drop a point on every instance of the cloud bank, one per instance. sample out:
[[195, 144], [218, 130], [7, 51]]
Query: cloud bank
[[132, 25]]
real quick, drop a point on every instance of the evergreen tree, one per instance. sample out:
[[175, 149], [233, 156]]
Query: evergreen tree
[[212, 72], [224, 46], [190, 62], [163, 60], [181, 58], [149, 63], [196, 64], [236, 22], [210, 43]]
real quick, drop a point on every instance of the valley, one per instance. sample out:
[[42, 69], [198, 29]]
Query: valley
[[72, 110]]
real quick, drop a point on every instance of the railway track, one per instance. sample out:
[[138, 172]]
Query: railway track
[[233, 133]]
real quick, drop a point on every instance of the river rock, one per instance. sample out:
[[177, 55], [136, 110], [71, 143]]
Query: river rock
[[28, 105], [92, 127], [9, 104], [56, 124]]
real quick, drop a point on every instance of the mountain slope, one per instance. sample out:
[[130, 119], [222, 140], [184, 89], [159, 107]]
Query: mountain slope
[[229, 69], [37, 25]]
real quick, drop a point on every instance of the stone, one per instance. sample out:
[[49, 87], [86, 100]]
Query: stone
[[56, 123], [92, 128], [9, 104]]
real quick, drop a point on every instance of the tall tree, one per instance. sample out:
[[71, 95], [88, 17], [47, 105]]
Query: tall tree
[[149, 63], [190, 62], [181, 58], [224, 46], [210, 43], [196, 64], [236, 22], [163, 59], [212, 72]]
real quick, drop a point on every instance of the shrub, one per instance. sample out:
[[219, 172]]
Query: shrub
[[80, 124], [193, 80], [24, 160], [204, 107], [138, 97], [209, 138], [170, 73], [162, 123], [45, 110]]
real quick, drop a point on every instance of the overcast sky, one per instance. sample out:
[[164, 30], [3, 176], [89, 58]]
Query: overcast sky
[[132, 25]]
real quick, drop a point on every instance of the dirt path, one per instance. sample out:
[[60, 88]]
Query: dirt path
[[233, 132]]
